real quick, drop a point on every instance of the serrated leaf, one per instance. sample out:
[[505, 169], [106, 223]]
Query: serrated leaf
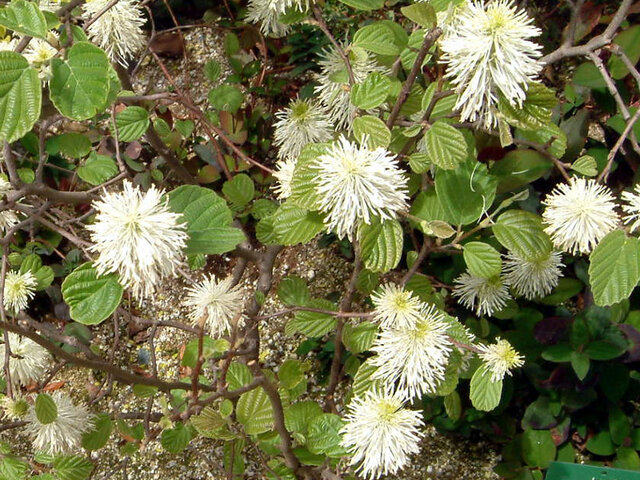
[[313, 324], [238, 375], [522, 232], [544, 134], [72, 467], [365, 379], [482, 259], [239, 190], [484, 394], [212, 70], [323, 436], [519, 168], [373, 130], [585, 165], [381, 245], [254, 411], [293, 290], [293, 225], [298, 416], [91, 298], [20, 96], [25, 18], [615, 268], [98, 169], [364, 4], [98, 436], [359, 338], [12, 468], [226, 98], [421, 13], [377, 38], [46, 409], [372, 92], [132, 123], [175, 440], [303, 183], [446, 146], [42, 273], [74, 145], [80, 85]]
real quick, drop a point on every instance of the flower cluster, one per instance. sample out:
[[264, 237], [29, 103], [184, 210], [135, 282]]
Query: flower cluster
[[268, 14], [19, 288], [500, 358], [28, 362]]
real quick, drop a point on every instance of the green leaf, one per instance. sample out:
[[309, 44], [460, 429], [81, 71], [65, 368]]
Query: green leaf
[[482, 259], [254, 411], [303, 184], [313, 324], [538, 449], [212, 70], [210, 347], [629, 42], [72, 467], [421, 13], [98, 169], [381, 245], [298, 416], [12, 468], [601, 444], [74, 145], [46, 409], [294, 225], [372, 92], [619, 425], [359, 338], [132, 123], [364, 4], [466, 192], [445, 145], [615, 268], [453, 406], [364, 379], [80, 85], [208, 220], [588, 75], [291, 373], [535, 112], [522, 233], [20, 96], [43, 274], [519, 168], [585, 165], [580, 364], [293, 290], [226, 98], [377, 38], [98, 436], [207, 422], [373, 130], [175, 440], [484, 394], [239, 190], [91, 298], [238, 375], [25, 18], [544, 134], [324, 437]]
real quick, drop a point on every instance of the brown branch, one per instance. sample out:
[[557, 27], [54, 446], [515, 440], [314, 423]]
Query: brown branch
[[612, 153], [422, 256], [317, 13]]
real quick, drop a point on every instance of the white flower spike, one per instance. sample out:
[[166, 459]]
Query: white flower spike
[[138, 237], [632, 208], [215, 304], [19, 289], [29, 361], [488, 51], [533, 278], [485, 296], [380, 433], [579, 215], [396, 307], [500, 358]]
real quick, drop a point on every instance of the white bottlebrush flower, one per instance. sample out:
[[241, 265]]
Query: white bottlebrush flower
[[632, 208], [214, 304], [8, 219], [413, 360], [14, 408], [485, 296], [301, 123], [19, 288], [333, 88], [500, 358], [119, 30], [533, 278], [356, 184], [380, 433], [284, 175], [49, 5], [137, 236], [8, 44], [64, 434], [488, 52], [579, 215], [396, 307], [40, 51], [29, 361], [5, 187], [260, 11]]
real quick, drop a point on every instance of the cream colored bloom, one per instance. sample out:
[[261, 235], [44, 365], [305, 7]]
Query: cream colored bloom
[[484, 295], [488, 52], [284, 175], [396, 307], [64, 434], [19, 288], [533, 278], [632, 207], [500, 358], [356, 185], [578, 215], [119, 30], [29, 361], [138, 237], [214, 304], [40, 51], [380, 433], [14, 408], [413, 360]]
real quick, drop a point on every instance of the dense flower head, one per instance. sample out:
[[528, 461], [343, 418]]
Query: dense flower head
[[500, 358], [484, 295], [632, 207], [19, 288], [214, 304], [579, 214], [488, 52], [533, 278], [333, 83], [413, 360], [29, 361], [356, 184], [301, 123], [14, 408], [137, 236], [64, 434], [118, 31], [40, 51], [396, 307], [380, 433], [284, 175]]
